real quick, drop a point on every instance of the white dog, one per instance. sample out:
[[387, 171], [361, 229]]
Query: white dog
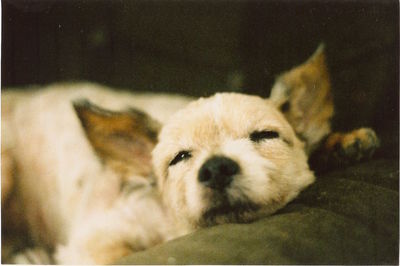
[[81, 177]]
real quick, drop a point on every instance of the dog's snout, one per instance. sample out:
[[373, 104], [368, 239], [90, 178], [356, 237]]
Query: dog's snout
[[217, 172]]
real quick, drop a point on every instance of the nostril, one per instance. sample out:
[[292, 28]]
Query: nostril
[[217, 172], [229, 168], [204, 175]]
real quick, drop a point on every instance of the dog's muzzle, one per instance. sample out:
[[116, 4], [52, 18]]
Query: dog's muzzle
[[218, 172]]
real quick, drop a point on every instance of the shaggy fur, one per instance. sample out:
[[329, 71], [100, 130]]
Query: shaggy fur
[[80, 162], [76, 202]]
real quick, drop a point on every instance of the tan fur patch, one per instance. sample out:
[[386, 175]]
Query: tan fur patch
[[124, 140], [304, 96]]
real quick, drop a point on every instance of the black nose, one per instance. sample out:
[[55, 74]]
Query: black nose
[[217, 172]]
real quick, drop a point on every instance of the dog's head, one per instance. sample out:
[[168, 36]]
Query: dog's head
[[227, 157], [234, 157]]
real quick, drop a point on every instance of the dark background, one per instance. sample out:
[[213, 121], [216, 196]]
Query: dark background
[[200, 47]]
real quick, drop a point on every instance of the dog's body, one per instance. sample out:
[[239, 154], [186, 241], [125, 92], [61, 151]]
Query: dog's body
[[84, 175], [71, 200]]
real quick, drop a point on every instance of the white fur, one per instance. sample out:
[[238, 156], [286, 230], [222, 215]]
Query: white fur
[[69, 198], [73, 202]]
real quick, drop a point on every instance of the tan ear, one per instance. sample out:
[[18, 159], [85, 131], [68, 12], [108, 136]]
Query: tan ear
[[123, 140], [303, 94]]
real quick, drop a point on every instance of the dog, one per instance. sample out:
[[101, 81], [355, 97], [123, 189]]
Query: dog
[[98, 174], [236, 158]]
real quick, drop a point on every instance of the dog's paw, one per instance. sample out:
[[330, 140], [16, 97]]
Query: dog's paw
[[343, 149], [33, 256], [354, 146]]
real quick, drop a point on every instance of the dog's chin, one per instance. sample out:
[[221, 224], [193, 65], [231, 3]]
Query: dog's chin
[[222, 211]]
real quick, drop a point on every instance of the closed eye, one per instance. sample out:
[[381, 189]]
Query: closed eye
[[181, 156], [258, 136]]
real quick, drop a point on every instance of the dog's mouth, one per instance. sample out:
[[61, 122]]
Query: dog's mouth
[[222, 211]]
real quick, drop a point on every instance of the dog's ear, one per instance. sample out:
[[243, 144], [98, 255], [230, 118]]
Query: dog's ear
[[123, 140], [303, 95]]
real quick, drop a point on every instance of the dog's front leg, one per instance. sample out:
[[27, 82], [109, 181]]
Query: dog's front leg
[[99, 248], [132, 224], [95, 243], [98, 240]]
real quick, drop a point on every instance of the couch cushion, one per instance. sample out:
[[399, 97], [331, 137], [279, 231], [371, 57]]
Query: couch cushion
[[347, 217]]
